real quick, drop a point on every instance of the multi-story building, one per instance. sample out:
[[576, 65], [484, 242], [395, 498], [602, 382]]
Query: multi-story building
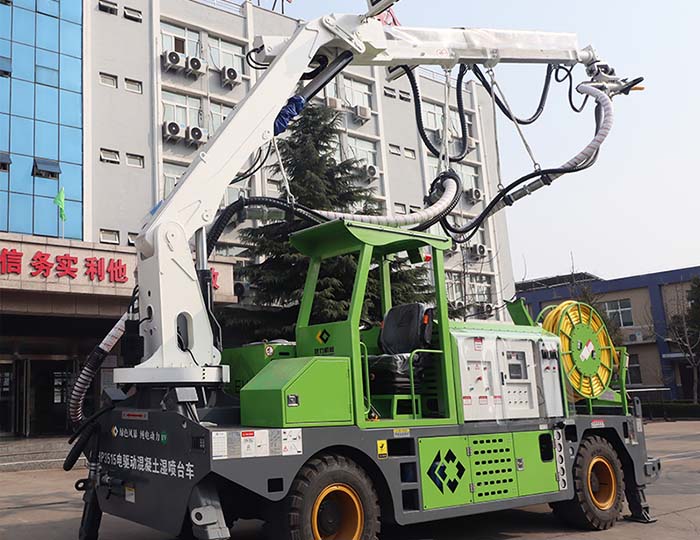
[[110, 100], [641, 307]]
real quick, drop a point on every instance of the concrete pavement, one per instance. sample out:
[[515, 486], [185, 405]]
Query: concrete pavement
[[42, 505]]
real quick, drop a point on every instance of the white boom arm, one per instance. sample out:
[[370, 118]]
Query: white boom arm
[[168, 286]]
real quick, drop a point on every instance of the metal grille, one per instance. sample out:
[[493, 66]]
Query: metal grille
[[493, 467]]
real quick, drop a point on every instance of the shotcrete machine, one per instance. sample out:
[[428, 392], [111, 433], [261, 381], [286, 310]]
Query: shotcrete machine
[[354, 425]]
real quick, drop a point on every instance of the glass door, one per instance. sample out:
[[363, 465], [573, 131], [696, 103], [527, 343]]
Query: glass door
[[6, 399]]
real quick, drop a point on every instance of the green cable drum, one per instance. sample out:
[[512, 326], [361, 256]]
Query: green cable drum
[[588, 355]]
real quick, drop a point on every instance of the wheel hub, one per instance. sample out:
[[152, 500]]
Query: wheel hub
[[329, 517], [337, 514], [602, 483]]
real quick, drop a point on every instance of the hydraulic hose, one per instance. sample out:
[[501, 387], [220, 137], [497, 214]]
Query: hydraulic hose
[[584, 159], [418, 105], [92, 366]]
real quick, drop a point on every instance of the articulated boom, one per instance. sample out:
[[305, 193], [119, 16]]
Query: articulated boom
[[169, 291]]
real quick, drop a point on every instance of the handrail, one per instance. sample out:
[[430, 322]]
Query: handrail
[[365, 371], [410, 375]]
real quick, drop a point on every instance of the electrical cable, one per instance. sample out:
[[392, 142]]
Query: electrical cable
[[568, 76], [255, 167], [418, 105], [504, 109], [252, 62]]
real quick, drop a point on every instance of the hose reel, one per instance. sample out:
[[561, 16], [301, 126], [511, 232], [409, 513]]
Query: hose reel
[[588, 355]]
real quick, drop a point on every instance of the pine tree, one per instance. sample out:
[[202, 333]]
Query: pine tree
[[320, 181]]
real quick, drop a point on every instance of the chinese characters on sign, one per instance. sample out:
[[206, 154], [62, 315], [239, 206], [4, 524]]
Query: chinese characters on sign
[[153, 465], [42, 264]]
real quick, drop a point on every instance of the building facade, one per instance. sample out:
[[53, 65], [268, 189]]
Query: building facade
[[641, 307], [110, 101]]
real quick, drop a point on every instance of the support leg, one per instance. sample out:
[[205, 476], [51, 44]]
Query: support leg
[[637, 501]]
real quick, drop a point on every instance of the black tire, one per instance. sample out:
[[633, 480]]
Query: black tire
[[597, 504], [314, 505]]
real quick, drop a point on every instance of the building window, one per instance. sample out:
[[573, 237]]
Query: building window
[[135, 160], [225, 54], [171, 175], [331, 89], [108, 80], [390, 92], [480, 289], [619, 312], [180, 40], [405, 96], [218, 112], [109, 236], [131, 238], [634, 370], [468, 174], [399, 209], [108, 7], [410, 153], [185, 110], [358, 93], [133, 14], [454, 283], [363, 149], [395, 149], [109, 156], [230, 250], [132, 85], [412, 209]]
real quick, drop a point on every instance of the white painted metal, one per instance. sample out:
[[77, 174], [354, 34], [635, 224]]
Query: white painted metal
[[551, 378]]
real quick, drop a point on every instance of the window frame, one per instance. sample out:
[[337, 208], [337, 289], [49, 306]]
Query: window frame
[[217, 117], [192, 46], [172, 99], [169, 176], [108, 7], [128, 81], [615, 312], [362, 154], [140, 160], [108, 76], [133, 14], [217, 43], [355, 88], [113, 159], [104, 240]]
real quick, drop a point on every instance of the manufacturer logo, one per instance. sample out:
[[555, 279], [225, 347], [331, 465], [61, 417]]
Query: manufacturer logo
[[588, 351], [323, 336], [115, 431], [139, 434], [446, 472]]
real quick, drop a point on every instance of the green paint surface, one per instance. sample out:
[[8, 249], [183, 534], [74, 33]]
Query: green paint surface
[[493, 467], [535, 476], [298, 392], [444, 472]]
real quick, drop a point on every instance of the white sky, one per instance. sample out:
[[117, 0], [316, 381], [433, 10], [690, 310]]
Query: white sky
[[636, 210]]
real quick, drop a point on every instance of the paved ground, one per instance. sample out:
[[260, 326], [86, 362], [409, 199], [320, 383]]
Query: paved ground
[[41, 505]]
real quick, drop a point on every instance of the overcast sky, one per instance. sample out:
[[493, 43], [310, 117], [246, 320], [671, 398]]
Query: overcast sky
[[636, 210]]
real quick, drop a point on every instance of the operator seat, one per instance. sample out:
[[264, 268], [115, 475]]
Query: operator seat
[[405, 328]]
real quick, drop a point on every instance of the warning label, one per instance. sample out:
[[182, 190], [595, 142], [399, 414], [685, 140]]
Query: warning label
[[256, 443]]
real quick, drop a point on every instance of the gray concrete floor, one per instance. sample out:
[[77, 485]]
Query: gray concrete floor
[[41, 505]]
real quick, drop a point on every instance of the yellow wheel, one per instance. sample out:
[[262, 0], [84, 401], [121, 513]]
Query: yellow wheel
[[337, 514], [602, 486], [331, 498], [598, 487]]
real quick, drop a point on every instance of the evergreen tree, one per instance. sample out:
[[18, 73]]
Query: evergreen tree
[[320, 181]]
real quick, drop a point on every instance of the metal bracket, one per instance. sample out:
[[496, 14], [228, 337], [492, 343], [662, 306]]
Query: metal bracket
[[352, 39], [637, 501]]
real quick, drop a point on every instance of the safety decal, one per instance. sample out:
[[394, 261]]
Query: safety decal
[[235, 444], [382, 449], [402, 433]]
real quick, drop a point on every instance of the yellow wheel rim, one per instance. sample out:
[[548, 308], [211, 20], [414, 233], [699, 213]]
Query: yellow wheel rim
[[602, 483], [337, 514]]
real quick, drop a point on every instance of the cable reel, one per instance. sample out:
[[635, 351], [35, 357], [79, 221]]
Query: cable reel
[[588, 355]]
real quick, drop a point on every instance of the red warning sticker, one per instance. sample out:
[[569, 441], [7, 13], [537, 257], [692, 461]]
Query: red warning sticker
[[483, 400], [467, 400], [478, 344]]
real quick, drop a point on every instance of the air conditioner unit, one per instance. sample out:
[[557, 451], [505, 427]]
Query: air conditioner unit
[[229, 77], [242, 291], [362, 114], [334, 103], [372, 172], [196, 135], [473, 195], [477, 251], [173, 61], [636, 337], [196, 66], [484, 308], [172, 131]]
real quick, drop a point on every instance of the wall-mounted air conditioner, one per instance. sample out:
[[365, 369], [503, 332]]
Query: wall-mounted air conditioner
[[473, 195], [195, 66], [173, 61], [362, 114], [196, 135], [229, 77], [477, 251], [172, 131]]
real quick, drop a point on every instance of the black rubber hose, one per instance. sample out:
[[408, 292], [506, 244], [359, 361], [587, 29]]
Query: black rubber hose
[[540, 106], [77, 449], [418, 105], [453, 204], [227, 214], [322, 60]]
